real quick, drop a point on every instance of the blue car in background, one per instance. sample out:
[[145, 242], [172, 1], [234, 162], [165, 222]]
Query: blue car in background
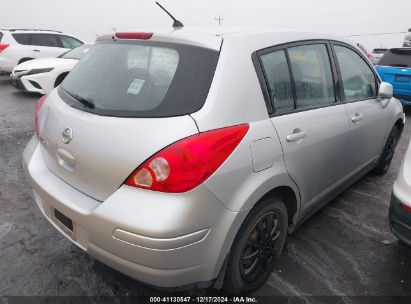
[[395, 68]]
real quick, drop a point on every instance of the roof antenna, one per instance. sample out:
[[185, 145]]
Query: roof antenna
[[177, 23]]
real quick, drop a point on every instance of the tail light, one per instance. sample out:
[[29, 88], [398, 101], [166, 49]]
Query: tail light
[[3, 46], [128, 35], [187, 163], [36, 113], [405, 207]]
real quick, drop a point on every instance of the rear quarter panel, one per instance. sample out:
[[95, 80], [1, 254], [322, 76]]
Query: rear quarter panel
[[237, 184]]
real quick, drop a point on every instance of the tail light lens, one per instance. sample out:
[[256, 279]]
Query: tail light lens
[[405, 207], [36, 113], [187, 163], [3, 46]]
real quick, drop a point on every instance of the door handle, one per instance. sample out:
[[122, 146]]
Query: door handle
[[297, 135], [38, 51], [357, 117]]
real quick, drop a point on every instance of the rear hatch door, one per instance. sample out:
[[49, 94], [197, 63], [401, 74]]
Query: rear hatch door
[[121, 104]]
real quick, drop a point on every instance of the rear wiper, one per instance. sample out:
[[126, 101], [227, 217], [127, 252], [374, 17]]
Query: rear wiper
[[86, 102]]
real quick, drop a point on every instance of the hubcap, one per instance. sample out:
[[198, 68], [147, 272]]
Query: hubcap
[[260, 247]]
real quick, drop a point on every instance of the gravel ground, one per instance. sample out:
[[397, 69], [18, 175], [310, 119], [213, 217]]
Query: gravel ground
[[345, 250]]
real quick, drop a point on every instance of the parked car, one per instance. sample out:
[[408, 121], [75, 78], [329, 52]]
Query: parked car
[[407, 39], [181, 160], [400, 206], [20, 45], [395, 68], [377, 54], [44, 74]]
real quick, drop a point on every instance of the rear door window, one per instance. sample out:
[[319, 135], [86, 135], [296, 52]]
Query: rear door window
[[358, 79], [278, 80], [22, 38], [50, 40], [311, 70], [141, 79]]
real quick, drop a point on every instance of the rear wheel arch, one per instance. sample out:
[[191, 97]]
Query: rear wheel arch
[[284, 193], [288, 196], [284, 198]]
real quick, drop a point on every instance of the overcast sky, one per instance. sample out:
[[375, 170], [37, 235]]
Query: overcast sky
[[87, 18]]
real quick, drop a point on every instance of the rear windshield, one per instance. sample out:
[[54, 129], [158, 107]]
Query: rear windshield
[[1, 36], [397, 58], [76, 53], [141, 79]]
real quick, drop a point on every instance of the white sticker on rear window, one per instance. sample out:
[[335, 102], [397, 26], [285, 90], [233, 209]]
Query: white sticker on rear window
[[135, 86]]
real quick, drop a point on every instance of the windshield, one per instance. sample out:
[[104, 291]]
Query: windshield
[[77, 53], [141, 79], [397, 58]]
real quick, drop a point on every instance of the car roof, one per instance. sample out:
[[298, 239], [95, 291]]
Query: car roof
[[211, 37], [18, 30]]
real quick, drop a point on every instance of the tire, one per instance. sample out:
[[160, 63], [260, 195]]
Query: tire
[[388, 152], [252, 247]]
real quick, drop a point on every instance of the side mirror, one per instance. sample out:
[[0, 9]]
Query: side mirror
[[386, 91]]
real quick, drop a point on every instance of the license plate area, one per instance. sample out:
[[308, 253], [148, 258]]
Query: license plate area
[[405, 79], [63, 221]]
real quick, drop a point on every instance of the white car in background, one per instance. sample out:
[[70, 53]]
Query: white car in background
[[44, 74], [20, 45]]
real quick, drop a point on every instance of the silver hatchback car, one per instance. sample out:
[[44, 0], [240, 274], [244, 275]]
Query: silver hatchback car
[[184, 158]]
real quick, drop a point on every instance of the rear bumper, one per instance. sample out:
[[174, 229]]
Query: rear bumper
[[161, 239], [400, 221]]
